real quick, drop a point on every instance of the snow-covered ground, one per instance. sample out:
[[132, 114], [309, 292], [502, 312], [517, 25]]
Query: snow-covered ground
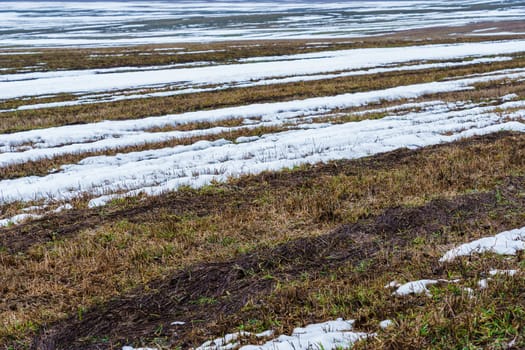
[[157, 170], [53, 23], [186, 88], [302, 138]]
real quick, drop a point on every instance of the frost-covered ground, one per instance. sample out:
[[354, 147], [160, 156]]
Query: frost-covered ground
[[48, 23]]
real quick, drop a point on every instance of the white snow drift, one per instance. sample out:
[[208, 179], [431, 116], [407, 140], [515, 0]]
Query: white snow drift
[[34, 84]]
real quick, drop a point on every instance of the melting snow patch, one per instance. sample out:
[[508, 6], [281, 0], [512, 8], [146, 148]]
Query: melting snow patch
[[393, 284], [504, 243], [328, 335], [484, 283], [419, 287], [19, 218], [244, 139], [385, 324], [14, 220], [503, 272], [265, 334], [61, 208], [415, 287], [509, 97], [229, 341], [34, 208]]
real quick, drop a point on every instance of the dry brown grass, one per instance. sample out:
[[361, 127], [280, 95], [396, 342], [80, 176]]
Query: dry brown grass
[[64, 277]]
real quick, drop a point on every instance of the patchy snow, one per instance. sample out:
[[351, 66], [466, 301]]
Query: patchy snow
[[159, 170], [34, 84], [503, 272], [34, 208], [504, 243], [266, 334], [326, 335], [483, 283], [63, 207], [17, 219], [121, 96], [12, 53], [497, 33], [92, 23], [302, 141], [229, 341], [114, 134], [509, 97], [415, 287], [385, 324], [393, 284]]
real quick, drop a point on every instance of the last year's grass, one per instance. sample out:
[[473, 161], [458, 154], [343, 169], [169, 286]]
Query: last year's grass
[[280, 232], [138, 108], [66, 276]]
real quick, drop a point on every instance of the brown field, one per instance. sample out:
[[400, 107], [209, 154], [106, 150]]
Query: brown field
[[276, 250], [271, 234]]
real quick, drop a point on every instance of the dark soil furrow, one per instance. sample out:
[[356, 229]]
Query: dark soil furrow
[[206, 295], [240, 193]]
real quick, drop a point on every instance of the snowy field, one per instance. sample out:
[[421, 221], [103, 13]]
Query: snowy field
[[259, 71], [48, 23], [204, 102], [155, 171], [306, 131]]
